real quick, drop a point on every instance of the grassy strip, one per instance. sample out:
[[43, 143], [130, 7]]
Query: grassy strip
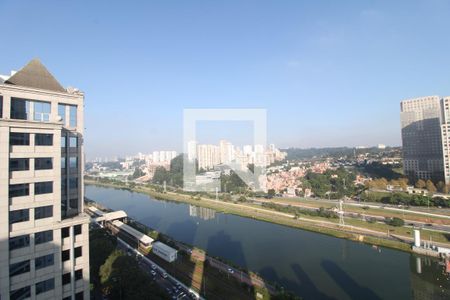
[[262, 216]]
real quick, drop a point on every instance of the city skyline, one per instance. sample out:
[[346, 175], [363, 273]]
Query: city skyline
[[309, 64], [239, 149]]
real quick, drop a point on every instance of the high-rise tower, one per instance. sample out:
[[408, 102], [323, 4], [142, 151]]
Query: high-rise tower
[[44, 234]]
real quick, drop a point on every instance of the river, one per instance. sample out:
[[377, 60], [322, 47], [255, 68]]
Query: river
[[312, 265]]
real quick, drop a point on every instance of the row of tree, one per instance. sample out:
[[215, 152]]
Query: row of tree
[[405, 199], [174, 176], [382, 183]]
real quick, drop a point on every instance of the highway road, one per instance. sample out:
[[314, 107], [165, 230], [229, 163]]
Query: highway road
[[409, 223], [173, 287]]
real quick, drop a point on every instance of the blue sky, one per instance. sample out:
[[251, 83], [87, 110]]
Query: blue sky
[[329, 73]]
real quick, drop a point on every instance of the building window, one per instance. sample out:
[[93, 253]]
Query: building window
[[19, 139], [20, 215], [63, 142], [73, 116], [65, 232], [62, 113], [19, 164], [73, 162], [73, 183], [44, 261], [77, 229], [78, 252], [20, 294], [73, 203], [18, 242], [41, 111], [18, 190], [43, 163], [43, 212], [65, 255], [73, 142], [66, 279], [45, 286], [78, 274], [45, 187], [63, 162], [20, 109], [43, 237], [43, 139], [63, 188], [19, 268], [79, 296]]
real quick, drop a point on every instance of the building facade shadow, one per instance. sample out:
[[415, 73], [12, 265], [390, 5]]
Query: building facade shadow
[[348, 284]]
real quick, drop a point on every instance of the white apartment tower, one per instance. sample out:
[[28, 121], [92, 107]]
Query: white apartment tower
[[44, 234], [425, 137]]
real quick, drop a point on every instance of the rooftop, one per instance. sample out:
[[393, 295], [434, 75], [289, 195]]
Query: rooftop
[[35, 75], [120, 214], [164, 247], [133, 232]]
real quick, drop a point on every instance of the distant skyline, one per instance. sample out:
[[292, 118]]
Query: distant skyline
[[329, 73]]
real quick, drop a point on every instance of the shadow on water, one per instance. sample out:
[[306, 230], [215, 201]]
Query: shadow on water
[[185, 231], [151, 221], [304, 287], [218, 282], [350, 286], [222, 245]]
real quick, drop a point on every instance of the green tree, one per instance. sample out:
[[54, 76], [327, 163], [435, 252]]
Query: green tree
[[161, 175], [242, 199], [232, 183], [395, 222], [101, 245], [122, 278], [137, 173], [271, 193]]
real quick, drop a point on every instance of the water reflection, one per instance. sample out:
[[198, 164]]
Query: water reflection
[[202, 212], [429, 279]]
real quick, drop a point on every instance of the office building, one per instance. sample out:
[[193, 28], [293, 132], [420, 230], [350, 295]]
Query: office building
[[44, 234], [425, 138]]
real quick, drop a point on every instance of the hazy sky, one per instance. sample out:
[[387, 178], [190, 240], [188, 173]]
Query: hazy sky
[[329, 73]]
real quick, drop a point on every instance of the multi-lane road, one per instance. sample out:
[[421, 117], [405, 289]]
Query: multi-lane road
[[173, 287], [409, 223]]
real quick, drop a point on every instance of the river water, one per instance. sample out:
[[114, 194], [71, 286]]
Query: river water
[[312, 265]]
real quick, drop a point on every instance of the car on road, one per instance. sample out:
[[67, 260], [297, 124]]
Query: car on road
[[153, 273], [153, 266], [164, 275], [230, 270]]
